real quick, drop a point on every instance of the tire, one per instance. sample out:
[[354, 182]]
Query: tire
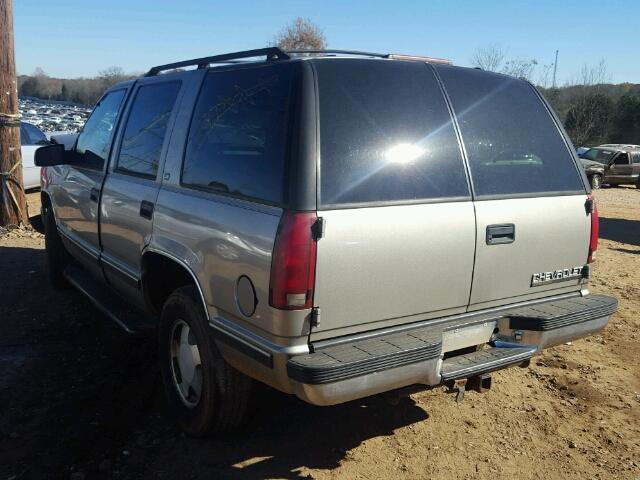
[[595, 181], [205, 398], [57, 256], [638, 183]]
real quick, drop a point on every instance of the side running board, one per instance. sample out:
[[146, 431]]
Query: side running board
[[129, 318]]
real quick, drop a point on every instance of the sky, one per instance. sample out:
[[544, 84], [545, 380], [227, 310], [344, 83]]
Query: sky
[[72, 38]]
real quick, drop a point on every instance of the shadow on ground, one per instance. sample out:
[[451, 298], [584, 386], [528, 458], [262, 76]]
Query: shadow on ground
[[77, 394], [620, 230]]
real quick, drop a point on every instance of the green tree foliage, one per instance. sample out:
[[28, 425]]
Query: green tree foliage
[[625, 122]]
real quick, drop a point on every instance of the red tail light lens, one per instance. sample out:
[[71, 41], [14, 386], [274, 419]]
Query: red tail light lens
[[595, 231], [293, 264]]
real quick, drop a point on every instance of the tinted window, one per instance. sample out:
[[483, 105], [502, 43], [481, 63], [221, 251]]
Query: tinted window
[[512, 143], [24, 136], [146, 128], [597, 155], [237, 141], [98, 131], [635, 157], [622, 159], [385, 134], [34, 136]]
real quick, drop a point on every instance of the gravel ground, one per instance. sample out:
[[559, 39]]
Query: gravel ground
[[78, 399]]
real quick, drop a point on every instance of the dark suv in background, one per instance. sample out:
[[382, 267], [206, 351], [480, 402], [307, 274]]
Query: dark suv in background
[[612, 164]]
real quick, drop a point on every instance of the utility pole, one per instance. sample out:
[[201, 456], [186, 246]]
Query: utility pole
[[13, 203], [555, 69]]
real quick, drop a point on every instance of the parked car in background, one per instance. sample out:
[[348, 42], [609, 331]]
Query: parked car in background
[[581, 150], [612, 164], [31, 137]]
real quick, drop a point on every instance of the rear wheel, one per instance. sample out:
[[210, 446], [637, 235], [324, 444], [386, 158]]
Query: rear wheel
[[57, 256], [204, 393], [638, 182], [596, 181]]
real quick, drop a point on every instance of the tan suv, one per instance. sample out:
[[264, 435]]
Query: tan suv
[[332, 224]]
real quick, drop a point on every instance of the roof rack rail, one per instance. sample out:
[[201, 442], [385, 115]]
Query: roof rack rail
[[392, 56], [272, 53], [420, 58], [337, 52]]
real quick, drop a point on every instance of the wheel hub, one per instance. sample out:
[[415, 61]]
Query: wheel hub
[[186, 366]]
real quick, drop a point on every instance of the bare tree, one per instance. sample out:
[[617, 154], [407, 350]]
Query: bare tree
[[111, 76], [520, 68], [590, 111], [494, 58], [545, 76], [490, 57], [300, 34]]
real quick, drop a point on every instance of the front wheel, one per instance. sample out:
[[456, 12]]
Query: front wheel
[[204, 393], [596, 181]]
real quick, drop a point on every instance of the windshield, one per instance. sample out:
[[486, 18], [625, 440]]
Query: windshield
[[597, 155]]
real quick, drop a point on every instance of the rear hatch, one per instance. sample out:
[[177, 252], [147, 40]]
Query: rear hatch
[[399, 235], [403, 240]]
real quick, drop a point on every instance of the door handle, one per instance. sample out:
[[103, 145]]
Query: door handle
[[501, 234], [94, 194], [146, 209]]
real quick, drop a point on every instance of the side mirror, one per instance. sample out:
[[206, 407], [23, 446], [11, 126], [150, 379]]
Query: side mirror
[[50, 155]]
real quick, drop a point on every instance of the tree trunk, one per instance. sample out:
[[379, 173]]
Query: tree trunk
[[13, 203]]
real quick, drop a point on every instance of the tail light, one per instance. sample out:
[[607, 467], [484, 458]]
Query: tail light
[[293, 264], [595, 231]]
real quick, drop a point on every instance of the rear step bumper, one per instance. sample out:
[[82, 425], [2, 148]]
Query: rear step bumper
[[349, 370], [483, 361]]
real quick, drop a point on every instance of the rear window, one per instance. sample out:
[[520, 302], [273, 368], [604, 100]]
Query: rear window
[[512, 142], [385, 134], [238, 136]]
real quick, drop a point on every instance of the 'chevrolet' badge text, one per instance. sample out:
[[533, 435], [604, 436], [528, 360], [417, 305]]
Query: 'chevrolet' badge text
[[562, 275]]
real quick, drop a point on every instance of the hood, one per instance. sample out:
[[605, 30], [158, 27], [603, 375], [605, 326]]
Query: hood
[[590, 164]]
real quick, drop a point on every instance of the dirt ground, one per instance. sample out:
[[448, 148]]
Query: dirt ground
[[79, 399]]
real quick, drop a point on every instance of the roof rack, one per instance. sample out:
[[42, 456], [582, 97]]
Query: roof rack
[[272, 53], [392, 56], [336, 52]]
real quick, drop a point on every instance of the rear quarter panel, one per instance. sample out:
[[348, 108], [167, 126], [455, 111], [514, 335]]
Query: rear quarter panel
[[222, 239]]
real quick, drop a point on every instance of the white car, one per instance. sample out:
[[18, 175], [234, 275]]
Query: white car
[[31, 138]]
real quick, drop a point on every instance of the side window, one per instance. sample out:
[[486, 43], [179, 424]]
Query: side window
[[146, 128], [512, 142], [622, 159], [36, 136], [238, 135], [635, 158], [94, 142]]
